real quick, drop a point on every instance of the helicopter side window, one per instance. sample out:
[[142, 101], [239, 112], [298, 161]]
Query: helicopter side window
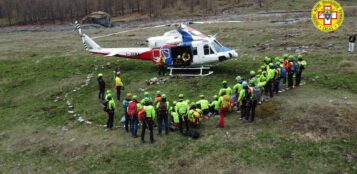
[[210, 50], [194, 51], [206, 49]]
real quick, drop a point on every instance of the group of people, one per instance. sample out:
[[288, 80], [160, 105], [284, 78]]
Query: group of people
[[185, 116]]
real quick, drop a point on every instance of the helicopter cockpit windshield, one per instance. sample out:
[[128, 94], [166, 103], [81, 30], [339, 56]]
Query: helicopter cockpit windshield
[[216, 45]]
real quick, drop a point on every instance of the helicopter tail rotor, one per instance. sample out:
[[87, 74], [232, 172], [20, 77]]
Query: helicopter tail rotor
[[86, 40]]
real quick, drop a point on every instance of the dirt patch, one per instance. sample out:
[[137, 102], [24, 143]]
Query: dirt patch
[[268, 111], [324, 122], [71, 145], [347, 66], [193, 163]]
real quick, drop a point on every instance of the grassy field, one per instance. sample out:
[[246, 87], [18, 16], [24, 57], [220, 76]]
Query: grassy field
[[311, 129]]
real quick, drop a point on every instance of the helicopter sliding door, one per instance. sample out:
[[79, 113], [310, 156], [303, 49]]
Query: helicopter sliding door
[[182, 55]]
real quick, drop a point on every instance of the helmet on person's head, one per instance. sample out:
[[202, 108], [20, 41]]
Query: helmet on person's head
[[252, 82], [135, 97], [181, 96], [109, 96], [224, 82], [300, 58], [128, 95], [277, 59], [163, 96], [100, 75], [174, 103], [266, 59], [215, 97], [291, 57], [202, 96], [146, 94], [286, 56], [271, 65], [146, 101], [238, 78], [252, 73]]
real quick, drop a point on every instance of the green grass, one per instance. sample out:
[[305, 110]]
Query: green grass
[[297, 132]]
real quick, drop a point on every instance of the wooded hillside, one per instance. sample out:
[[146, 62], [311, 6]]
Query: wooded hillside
[[44, 11]]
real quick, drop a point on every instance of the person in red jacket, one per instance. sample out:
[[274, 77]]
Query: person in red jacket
[[287, 65], [133, 114]]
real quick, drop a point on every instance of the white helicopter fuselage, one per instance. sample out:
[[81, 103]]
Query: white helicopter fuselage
[[182, 47]]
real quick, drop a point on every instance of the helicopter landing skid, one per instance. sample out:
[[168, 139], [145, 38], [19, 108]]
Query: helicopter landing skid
[[190, 72]]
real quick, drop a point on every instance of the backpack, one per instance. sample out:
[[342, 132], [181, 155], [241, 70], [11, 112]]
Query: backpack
[[226, 102], [162, 108], [193, 134], [132, 109], [257, 93], [142, 114], [295, 67], [123, 119], [125, 105], [248, 94], [277, 73], [106, 106], [282, 72], [158, 99]]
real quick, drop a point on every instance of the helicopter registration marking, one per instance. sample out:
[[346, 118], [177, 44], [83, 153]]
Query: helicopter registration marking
[[132, 53]]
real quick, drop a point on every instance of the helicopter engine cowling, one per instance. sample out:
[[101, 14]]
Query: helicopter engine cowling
[[160, 41]]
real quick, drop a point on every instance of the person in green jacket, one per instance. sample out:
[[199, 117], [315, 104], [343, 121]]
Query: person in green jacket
[[182, 109], [270, 80], [146, 96], [225, 89], [214, 106], [203, 105], [110, 110], [261, 82], [162, 108], [107, 93], [174, 117], [236, 89], [245, 98], [302, 65], [148, 121]]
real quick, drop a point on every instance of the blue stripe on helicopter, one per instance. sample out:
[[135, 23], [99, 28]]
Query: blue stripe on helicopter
[[186, 36]]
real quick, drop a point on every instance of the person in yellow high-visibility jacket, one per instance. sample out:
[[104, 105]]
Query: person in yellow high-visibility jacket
[[148, 122], [203, 105], [118, 85]]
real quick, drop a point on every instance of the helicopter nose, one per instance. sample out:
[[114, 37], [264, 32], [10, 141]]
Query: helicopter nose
[[234, 53]]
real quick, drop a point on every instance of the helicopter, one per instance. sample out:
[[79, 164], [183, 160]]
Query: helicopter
[[184, 48]]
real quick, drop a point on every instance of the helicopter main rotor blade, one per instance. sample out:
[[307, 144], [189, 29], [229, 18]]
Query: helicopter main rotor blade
[[169, 25], [126, 31]]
